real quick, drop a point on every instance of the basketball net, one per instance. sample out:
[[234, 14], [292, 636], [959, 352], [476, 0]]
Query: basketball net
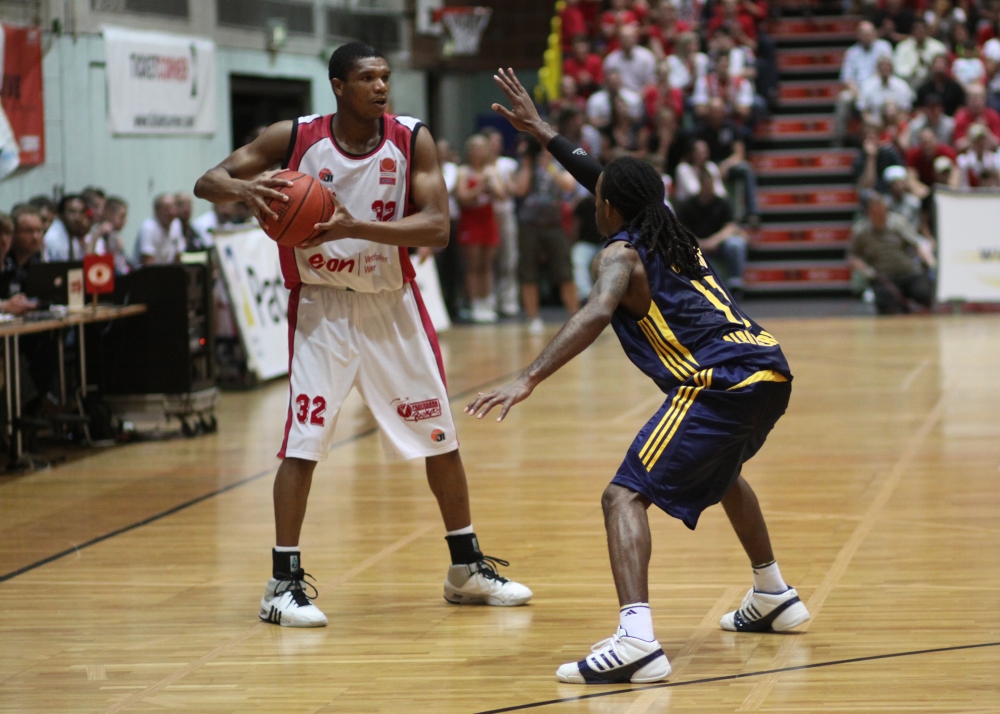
[[465, 25]]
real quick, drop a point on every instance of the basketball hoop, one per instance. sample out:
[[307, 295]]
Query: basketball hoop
[[465, 24]]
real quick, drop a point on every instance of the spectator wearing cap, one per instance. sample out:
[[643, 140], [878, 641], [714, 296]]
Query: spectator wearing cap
[[636, 64], [160, 239], [882, 88], [945, 172], [600, 104], [939, 82], [584, 66], [892, 257], [913, 56], [900, 200], [978, 158], [932, 116], [65, 239], [923, 159], [859, 65], [874, 157], [975, 112]]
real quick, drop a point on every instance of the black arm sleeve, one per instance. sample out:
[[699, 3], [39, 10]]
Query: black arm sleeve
[[584, 168]]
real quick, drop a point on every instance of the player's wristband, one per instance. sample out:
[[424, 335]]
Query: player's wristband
[[584, 168]]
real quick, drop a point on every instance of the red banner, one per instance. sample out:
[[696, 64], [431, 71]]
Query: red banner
[[22, 91]]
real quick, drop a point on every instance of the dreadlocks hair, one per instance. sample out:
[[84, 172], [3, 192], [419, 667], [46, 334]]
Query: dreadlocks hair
[[344, 58], [635, 190]]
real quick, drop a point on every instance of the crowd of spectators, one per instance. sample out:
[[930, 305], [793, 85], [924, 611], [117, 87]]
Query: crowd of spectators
[[42, 230], [674, 83], [923, 80]]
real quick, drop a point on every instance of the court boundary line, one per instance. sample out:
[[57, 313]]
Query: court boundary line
[[229, 487], [740, 675]]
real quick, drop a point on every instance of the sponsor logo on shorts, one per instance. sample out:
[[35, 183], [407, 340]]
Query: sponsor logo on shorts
[[325, 175], [418, 411], [387, 172], [437, 435]]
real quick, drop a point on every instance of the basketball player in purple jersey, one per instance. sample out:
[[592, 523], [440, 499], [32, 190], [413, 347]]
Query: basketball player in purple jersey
[[355, 316]]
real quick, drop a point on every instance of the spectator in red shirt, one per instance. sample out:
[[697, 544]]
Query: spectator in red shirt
[[921, 158], [741, 25], [975, 111], [663, 34], [574, 23], [620, 14], [584, 66], [662, 94]]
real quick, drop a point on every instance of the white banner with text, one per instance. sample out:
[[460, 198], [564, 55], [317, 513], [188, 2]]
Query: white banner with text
[[968, 246], [159, 83], [250, 267]]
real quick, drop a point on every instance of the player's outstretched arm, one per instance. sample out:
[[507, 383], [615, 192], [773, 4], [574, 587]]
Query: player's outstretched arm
[[616, 264], [524, 117], [427, 227], [244, 175]]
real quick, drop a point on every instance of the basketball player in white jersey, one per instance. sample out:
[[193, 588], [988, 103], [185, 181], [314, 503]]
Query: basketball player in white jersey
[[355, 316]]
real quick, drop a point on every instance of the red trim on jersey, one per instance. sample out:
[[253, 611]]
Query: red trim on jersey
[[289, 266], [425, 318], [293, 319], [305, 136]]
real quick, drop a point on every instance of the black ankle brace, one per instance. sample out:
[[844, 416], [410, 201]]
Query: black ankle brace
[[464, 549], [284, 563]]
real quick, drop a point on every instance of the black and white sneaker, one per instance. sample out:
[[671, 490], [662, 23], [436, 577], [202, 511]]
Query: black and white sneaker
[[480, 584], [620, 659], [286, 602], [766, 612]]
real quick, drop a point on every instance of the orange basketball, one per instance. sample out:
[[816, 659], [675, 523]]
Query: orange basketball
[[308, 203]]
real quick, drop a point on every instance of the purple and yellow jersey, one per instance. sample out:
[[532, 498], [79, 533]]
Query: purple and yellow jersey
[[694, 334]]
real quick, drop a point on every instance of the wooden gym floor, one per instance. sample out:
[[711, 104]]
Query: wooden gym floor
[[131, 578]]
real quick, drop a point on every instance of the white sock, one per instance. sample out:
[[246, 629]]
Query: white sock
[[637, 621], [286, 549], [767, 579], [461, 531]]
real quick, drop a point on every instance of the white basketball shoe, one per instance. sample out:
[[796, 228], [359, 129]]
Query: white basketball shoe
[[766, 612], [286, 602], [620, 659], [480, 584]]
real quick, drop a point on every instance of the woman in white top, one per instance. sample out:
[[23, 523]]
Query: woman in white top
[[687, 64], [686, 181]]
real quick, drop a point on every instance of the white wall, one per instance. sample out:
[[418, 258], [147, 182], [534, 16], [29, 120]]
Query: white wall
[[81, 151]]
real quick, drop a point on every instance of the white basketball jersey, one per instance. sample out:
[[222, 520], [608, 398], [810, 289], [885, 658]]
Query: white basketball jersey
[[372, 186]]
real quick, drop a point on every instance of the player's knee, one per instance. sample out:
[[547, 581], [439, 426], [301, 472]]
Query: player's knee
[[615, 497]]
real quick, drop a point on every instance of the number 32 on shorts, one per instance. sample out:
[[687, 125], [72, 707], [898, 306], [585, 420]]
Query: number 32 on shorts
[[318, 404]]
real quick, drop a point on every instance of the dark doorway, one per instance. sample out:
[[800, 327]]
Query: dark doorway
[[262, 101]]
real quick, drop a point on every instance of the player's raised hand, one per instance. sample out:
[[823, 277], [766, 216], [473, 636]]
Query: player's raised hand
[[341, 225], [522, 113], [505, 397], [257, 192]]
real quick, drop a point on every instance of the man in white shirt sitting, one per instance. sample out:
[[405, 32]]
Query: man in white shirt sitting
[[600, 103], [914, 55], [636, 64], [65, 238], [859, 65], [161, 238], [882, 88]]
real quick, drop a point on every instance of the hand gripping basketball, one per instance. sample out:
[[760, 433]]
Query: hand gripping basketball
[[340, 225], [259, 191]]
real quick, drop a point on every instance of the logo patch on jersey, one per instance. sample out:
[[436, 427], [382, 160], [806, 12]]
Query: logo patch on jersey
[[387, 172], [437, 435], [418, 411], [325, 175]]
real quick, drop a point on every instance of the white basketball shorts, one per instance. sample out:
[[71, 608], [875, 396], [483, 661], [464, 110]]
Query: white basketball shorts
[[382, 343]]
